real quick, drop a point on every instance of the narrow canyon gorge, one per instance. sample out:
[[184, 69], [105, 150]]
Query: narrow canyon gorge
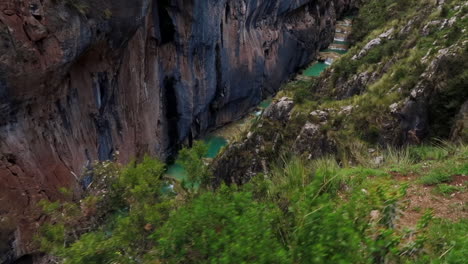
[[96, 79]]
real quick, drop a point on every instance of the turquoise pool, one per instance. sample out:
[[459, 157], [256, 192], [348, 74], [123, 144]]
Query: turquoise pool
[[265, 103], [316, 69], [215, 144], [341, 42]]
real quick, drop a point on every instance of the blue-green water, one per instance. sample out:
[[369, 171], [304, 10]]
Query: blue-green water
[[177, 171], [265, 103], [341, 42], [316, 69], [215, 144]]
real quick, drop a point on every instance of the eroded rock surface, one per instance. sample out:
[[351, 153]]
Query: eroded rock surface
[[433, 104], [81, 80], [313, 142]]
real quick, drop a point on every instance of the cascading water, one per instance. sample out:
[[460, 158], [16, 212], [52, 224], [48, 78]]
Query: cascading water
[[335, 50]]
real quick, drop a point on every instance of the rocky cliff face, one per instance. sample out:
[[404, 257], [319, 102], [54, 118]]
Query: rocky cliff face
[[366, 101], [81, 80]]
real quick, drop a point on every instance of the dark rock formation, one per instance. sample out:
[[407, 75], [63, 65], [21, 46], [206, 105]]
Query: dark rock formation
[[280, 111], [249, 157], [434, 103], [460, 127], [81, 80], [434, 106], [313, 142]]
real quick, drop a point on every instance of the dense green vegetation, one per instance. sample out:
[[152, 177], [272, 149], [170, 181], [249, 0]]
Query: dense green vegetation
[[394, 67], [364, 204], [301, 212]]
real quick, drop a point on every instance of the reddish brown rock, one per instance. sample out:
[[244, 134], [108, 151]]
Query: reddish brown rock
[[78, 83]]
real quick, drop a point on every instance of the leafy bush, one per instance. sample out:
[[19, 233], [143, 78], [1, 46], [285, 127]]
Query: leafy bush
[[221, 227], [131, 208], [191, 159], [301, 212], [343, 68], [327, 235]]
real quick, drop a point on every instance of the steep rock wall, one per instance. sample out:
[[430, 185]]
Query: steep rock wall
[[223, 57], [81, 80]]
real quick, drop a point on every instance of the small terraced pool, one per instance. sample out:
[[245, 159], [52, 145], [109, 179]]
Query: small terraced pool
[[214, 143], [265, 103], [315, 69], [341, 42], [177, 171]]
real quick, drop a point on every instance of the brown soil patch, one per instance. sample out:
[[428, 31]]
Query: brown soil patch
[[403, 177], [421, 198], [459, 180]]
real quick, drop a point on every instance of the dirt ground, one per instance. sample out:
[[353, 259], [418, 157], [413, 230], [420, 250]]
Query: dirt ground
[[421, 198]]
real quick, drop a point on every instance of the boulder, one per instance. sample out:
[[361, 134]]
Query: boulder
[[313, 142], [280, 111]]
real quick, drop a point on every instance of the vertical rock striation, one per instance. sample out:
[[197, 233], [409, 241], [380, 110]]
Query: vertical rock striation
[[81, 80], [222, 57]]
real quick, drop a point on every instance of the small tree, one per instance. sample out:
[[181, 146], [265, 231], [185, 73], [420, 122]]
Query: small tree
[[192, 161]]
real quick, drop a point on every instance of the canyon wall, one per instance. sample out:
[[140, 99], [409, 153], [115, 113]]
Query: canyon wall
[[86, 80]]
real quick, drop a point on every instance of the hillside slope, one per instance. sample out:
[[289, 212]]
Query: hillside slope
[[404, 82], [367, 163], [83, 80]]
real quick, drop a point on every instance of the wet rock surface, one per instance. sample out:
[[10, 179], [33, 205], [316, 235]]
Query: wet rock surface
[[79, 82]]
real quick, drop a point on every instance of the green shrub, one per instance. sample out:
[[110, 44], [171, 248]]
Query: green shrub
[[327, 235], [446, 189], [374, 14], [136, 206], [191, 159], [226, 226], [376, 54], [301, 94], [343, 68], [141, 182], [454, 34]]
